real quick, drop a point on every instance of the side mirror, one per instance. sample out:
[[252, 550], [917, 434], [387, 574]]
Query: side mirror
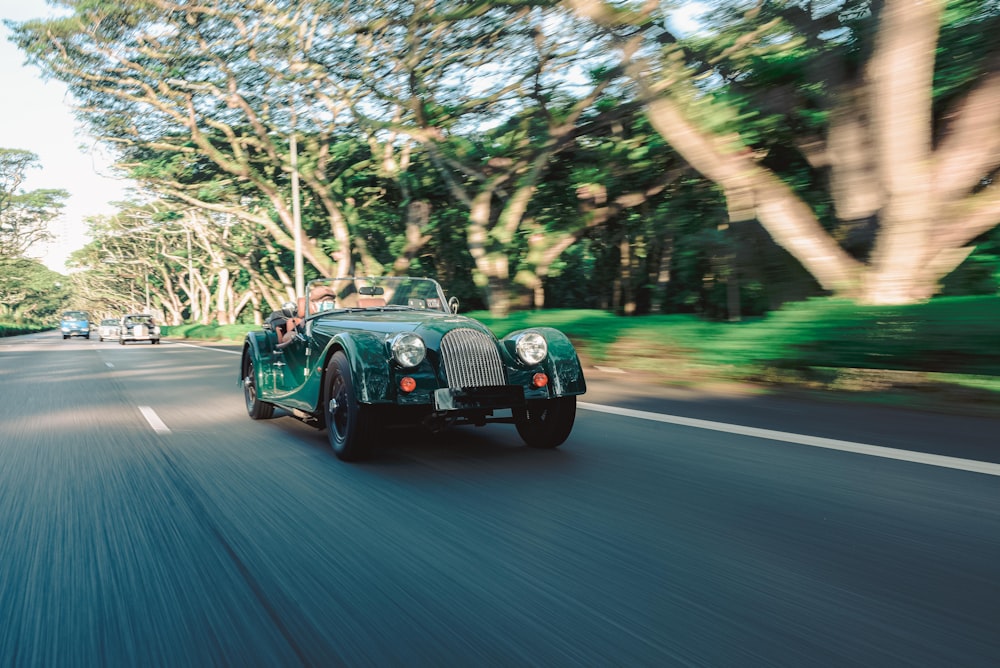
[[289, 309], [453, 304]]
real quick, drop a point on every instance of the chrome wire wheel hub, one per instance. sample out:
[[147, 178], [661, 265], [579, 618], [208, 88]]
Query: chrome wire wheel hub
[[249, 390], [337, 409]]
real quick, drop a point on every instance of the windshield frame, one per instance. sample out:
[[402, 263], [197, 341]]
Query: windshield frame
[[362, 293]]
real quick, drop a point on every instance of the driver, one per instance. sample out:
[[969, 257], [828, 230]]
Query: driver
[[279, 322], [321, 298]]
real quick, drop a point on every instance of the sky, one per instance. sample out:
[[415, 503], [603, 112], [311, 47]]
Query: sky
[[36, 116]]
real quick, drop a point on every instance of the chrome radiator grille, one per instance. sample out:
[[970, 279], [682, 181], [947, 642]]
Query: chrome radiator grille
[[471, 359]]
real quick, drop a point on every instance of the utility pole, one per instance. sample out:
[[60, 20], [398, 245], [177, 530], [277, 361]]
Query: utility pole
[[300, 287], [190, 273]]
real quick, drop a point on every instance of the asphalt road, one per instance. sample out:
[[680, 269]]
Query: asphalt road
[[147, 521]]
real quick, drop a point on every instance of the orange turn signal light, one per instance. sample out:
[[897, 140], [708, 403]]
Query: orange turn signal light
[[407, 384], [539, 380]]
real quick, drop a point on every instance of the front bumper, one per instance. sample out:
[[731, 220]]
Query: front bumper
[[479, 398]]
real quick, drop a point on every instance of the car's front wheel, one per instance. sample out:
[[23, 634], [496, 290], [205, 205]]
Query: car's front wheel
[[349, 423], [257, 409], [547, 423]]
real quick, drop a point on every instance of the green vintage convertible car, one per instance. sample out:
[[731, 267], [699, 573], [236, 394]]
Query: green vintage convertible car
[[365, 354]]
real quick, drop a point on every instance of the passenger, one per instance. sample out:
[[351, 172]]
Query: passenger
[[322, 298]]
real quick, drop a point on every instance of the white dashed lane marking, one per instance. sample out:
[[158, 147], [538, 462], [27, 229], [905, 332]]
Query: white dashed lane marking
[[154, 420]]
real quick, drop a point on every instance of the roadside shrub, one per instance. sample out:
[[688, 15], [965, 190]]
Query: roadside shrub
[[7, 329]]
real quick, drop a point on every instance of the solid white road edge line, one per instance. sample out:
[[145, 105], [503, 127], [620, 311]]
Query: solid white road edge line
[[154, 420], [812, 441]]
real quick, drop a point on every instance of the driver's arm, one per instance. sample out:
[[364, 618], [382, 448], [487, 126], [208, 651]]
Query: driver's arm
[[288, 335]]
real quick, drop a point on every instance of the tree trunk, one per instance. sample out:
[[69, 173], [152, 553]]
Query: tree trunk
[[901, 72], [418, 214], [221, 294], [492, 269], [790, 222], [625, 279]]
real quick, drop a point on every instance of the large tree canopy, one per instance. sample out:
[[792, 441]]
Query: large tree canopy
[[892, 103], [507, 140], [24, 215]]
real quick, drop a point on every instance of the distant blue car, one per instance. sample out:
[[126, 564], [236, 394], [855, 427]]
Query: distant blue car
[[75, 323]]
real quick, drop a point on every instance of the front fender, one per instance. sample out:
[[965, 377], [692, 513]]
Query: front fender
[[561, 365], [369, 362], [253, 346]]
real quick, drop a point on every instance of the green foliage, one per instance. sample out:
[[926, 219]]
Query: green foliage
[[30, 292], [945, 335], [968, 36], [207, 332], [980, 273], [951, 335], [13, 165], [9, 329]]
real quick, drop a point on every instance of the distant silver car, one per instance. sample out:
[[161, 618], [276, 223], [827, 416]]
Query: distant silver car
[[108, 330], [138, 327]]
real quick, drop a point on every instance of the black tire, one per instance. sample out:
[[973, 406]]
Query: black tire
[[349, 424], [256, 409], [65, 336], [547, 423], [121, 341]]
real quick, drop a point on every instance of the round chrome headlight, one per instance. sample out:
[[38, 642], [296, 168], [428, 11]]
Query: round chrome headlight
[[531, 347], [408, 349]]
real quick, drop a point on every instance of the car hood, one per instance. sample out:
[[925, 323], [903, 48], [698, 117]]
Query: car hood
[[430, 325]]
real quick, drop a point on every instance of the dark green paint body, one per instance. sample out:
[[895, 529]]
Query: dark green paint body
[[293, 377]]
